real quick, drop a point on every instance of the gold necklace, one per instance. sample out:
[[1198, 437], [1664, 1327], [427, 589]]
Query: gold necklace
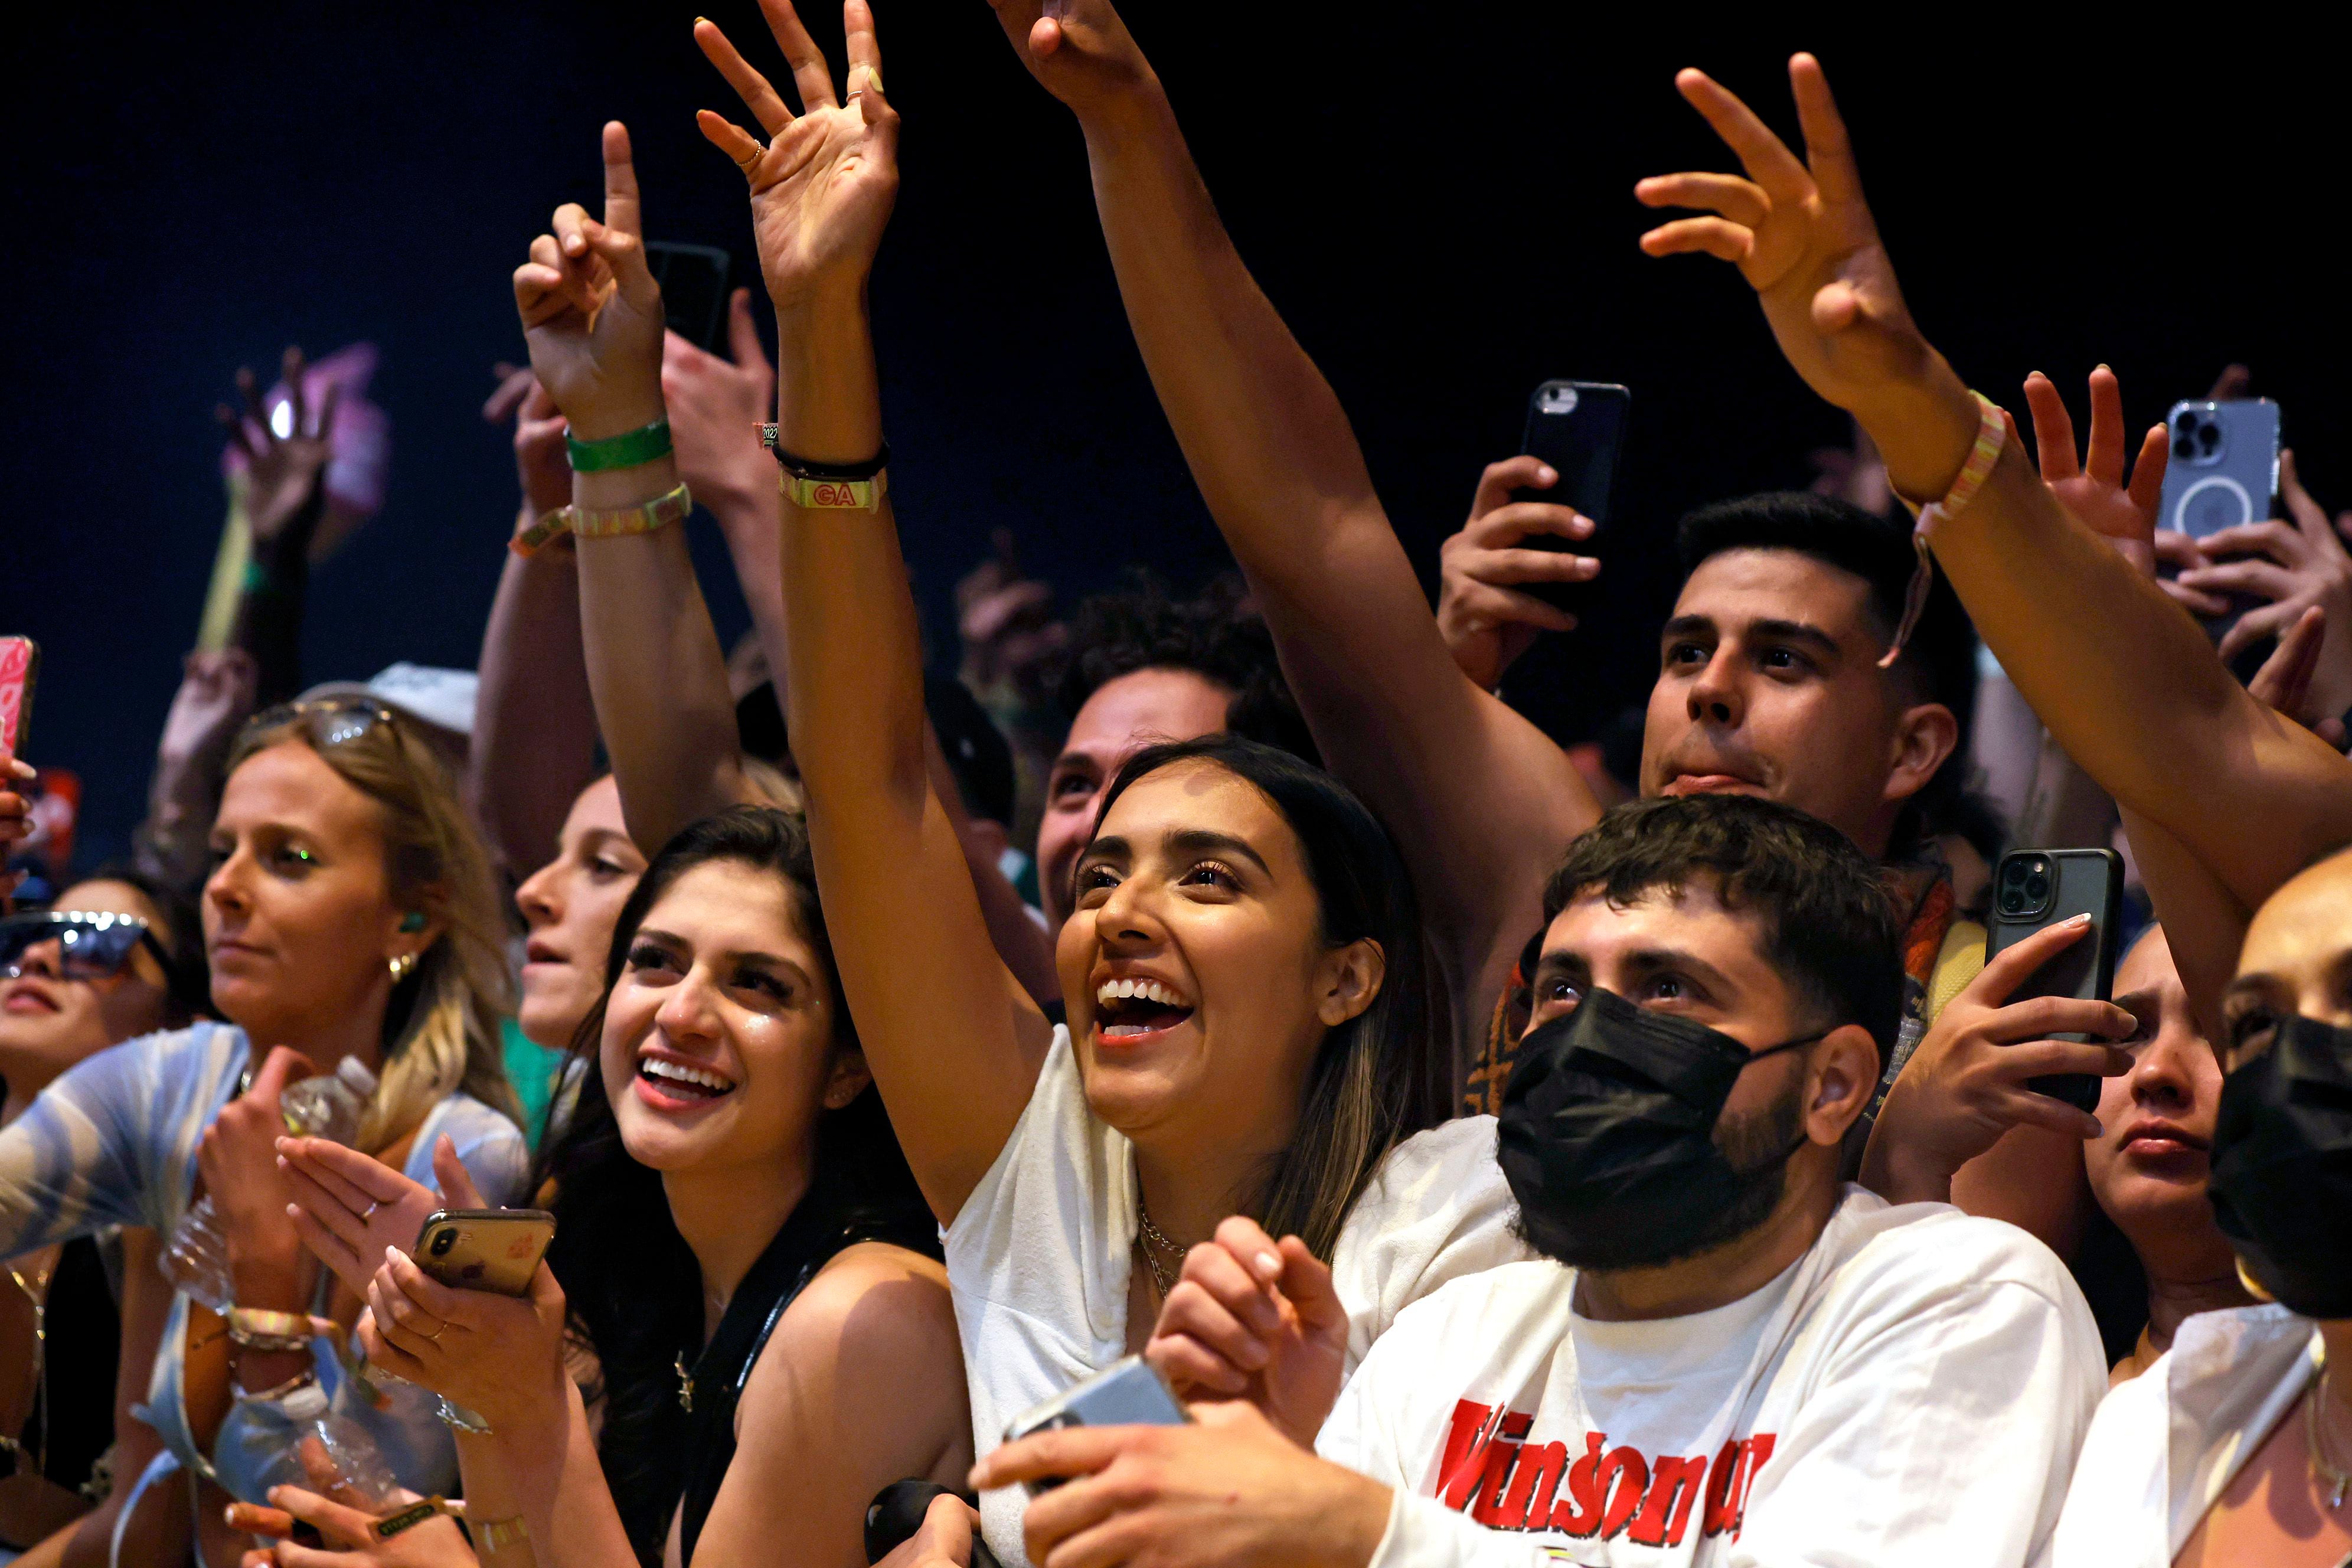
[[1154, 1238], [2333, 1479]]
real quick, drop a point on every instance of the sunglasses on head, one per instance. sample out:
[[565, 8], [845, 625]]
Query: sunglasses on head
[[91, 945], [328, 720]]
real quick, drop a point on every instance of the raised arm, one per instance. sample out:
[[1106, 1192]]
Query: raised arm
[[2125, 683], [954, 1042], [592, 316], [285, 498], [1490, 799], [716, 406], [535, 723]]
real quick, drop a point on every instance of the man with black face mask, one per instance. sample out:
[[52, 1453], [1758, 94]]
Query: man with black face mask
[[1724, 1355]]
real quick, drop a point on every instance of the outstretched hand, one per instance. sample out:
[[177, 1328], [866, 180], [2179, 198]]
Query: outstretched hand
[[823, 186], [2091, 487], [1802, 236], [541, 463], [1079, 50], [285, 475], [591, 310]]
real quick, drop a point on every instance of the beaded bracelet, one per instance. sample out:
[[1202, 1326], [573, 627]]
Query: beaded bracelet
[[626, 450], [1992, 435]]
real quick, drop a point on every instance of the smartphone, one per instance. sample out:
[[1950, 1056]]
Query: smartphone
[[2036, 888], [693, 279], [485, 1250], [2224, 465], [1578, 427], [1127, 1393], [20, 666]]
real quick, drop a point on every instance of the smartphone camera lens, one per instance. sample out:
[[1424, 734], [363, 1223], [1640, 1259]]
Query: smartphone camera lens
[[2037, 888], [2012, 902], [2187, 422], [443, 1242]]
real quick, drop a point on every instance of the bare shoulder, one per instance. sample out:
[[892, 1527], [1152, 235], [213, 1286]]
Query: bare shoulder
[[873, 1305]]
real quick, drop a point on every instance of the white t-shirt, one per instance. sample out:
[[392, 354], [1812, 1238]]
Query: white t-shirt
[[1039, 1254], [1911, 1390], [2166, 1445]]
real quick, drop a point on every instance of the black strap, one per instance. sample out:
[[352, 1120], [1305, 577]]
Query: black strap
[[815, 1234]]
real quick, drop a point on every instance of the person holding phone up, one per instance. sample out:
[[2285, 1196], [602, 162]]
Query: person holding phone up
[[738, 1241]]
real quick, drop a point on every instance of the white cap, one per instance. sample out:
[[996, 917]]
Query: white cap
[[440, 700]]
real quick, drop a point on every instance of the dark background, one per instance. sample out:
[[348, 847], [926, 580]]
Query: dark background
[[1437, 195]]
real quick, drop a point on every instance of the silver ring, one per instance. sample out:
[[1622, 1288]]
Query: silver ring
[[369, 1212]]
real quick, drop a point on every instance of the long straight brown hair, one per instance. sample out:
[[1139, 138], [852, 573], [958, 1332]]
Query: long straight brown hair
[[1382, 1075]]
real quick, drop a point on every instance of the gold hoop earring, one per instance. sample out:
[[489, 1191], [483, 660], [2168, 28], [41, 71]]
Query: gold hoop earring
[[2254, 1286], [401, 967]]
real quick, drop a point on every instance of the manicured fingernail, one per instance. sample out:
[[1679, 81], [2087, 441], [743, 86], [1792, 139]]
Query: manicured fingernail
[[1267, 1265], [1548, 475]]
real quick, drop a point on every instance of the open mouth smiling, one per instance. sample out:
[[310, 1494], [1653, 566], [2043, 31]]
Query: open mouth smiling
[[1128, 1012], [672, 1083]]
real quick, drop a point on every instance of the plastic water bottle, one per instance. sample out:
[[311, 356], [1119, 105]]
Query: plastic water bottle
[[328, 1452], [328, 1106]]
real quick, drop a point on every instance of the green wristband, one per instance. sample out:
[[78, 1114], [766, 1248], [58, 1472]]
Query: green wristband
[[627, 450]]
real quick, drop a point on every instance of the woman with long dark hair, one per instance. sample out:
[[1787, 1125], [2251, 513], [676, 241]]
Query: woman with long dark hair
[[743, 1273], [1249, 1028]]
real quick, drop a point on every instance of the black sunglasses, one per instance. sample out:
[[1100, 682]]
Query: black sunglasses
[[90, 946]]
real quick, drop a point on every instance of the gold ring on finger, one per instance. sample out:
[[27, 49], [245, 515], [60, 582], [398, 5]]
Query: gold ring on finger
[[436, 1335]]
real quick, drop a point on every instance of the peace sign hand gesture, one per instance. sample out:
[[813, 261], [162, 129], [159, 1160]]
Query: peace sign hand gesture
[[591, 310], [822, 187], [1802, 236]]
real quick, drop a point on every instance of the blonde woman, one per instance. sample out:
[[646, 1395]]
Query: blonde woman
[[350, 913]]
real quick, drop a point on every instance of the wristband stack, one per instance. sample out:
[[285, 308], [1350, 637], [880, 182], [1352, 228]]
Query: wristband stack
[[630, 449], [829, 487]]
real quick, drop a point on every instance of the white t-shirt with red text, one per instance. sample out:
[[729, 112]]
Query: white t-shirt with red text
[[1911, 1390]]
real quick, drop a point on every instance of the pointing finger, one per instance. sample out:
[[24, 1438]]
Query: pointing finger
[[621, 207]]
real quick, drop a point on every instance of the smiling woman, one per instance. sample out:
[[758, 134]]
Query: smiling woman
[[739, 1245]]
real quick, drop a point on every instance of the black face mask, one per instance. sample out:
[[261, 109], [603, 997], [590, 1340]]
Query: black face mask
[[1607, 1137], [2281, 1182]]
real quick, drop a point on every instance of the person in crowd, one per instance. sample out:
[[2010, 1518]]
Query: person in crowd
[[1248, 1019], [119, 956], [1788, 658], [1720, 1343], [1770, 679], [2234, 1446], [350, 914], [534, 742], [1141, 667], [739, 1243], [569, 906], [2148, 1167]]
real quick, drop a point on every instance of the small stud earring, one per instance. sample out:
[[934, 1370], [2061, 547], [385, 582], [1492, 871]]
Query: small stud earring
[[401, 967]]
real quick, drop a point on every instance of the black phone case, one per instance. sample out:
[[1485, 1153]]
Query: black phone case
[[2088, 882], [1584, 443]]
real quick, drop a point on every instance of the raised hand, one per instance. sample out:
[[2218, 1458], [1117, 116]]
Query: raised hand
[[1255, 1321], [1005, 621], [1802, 236], [285, 489], [215, 697], [823, 186], [591, 310], [2091, 487], [1079, 50], [1484, 612], [715, 408], [541, 463], [2284, 681], [2298, 564]]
